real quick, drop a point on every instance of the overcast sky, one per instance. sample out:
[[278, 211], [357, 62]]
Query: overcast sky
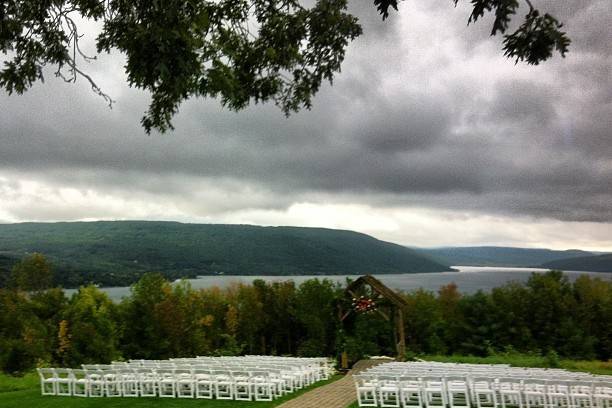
[[428, 137]]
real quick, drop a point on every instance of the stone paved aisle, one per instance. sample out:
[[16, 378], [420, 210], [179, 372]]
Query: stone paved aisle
[[338, 394]]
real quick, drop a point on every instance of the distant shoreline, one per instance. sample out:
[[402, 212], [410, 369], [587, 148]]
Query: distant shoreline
[[469, 279]]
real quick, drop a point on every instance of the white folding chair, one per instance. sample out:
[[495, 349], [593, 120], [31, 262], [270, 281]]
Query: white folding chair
[[64, 381], [483, 392], [185, 383], [366, 387], [280, 385], [263, 387], [581, 394], [410, 392], [434, 392], [95, 382], [510, 392], [112, 383], [535, 393], [558, 393], [242, 385], [130, 383], [457, 392], [204, 383], [48, 381], [80, 383], [166, 383], [602, 394], [388, 391], [224, 385], [299, 377], [147, 382]]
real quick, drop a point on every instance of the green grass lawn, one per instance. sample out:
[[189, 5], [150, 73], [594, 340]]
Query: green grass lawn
[[24, 392]]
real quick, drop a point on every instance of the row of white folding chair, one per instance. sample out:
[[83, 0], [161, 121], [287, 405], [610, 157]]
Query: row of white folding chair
[[320, 360], [193, 364], [224, 360], [183, 383], [283, 382], [304, 376], [268, 359], [176, 362], [466, 367], [299, 362], [56, 381], [394, 391], [429, 366], [229, 384], [530, 392], [449, 366], [298, 377], [79, 382], [323, 363], [497, 374], [493, 374], [389, 391], [444, 366], [291, 360], [491, 371], [221, 384]]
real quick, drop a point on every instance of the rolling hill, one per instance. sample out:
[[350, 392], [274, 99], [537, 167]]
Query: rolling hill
[[500, 256], [599, 263], [117, 253]]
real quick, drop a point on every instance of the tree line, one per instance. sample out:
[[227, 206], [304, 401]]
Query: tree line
[[40, 325]]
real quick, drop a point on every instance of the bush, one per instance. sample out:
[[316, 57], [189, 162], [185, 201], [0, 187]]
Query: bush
[[552, 360], [15, 357], [410, 356], [230, 346], [311, 348]]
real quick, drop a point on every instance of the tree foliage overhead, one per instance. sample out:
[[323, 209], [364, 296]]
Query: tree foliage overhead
[[536, 38], [239, 51]]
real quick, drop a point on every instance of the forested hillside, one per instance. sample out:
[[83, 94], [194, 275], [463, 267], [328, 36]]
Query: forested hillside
[[599, 263], [500, 256], [117, 253]]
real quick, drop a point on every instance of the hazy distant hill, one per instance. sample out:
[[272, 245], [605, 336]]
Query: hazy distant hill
[[599, 263], [500, 256], [118, 252]]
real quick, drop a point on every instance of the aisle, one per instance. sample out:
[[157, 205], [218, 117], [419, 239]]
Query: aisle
[[338, 394]]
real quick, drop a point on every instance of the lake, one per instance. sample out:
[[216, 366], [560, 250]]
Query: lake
[[469, 279]]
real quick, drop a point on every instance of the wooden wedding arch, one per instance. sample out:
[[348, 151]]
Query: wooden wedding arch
[[390, 306]]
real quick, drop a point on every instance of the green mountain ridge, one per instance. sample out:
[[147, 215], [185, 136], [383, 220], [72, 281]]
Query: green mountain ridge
[[501, 256], [598, 263], [117, 253]]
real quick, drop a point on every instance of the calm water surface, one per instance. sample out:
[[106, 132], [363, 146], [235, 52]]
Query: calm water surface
[[469, 279]]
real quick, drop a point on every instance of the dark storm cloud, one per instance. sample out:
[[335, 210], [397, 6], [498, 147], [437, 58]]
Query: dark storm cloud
[[392, 126], [425, 112], [520, 101]]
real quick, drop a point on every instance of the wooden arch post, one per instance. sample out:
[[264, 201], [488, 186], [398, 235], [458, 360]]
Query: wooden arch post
[[396, 303]]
